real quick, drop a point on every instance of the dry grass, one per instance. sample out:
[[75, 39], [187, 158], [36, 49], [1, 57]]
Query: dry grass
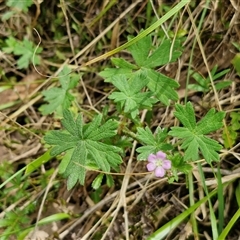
[[137, 204]]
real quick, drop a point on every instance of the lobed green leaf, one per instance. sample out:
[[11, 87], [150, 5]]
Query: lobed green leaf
[[76, 170], [59, 98], [167, 52], [131, 98], [212, 121], [140, 50], [193, 134], [185, 114], [83, 144], [161, 86], [154, 143]]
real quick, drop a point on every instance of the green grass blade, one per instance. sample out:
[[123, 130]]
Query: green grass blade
[[162, 232], [32, 166], [220, 201], [8, 105], [192, 202], [237, 194], [104, 11], [212, 214], [144, 33], [49, 219], [53, 218], [227, 229], [12, 177]]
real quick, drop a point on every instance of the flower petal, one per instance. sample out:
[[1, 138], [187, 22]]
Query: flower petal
[[152, 158], [151, 167], [159, 172], [161, 155], [166, 164]]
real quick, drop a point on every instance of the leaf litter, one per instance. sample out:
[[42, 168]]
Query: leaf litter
[[159, 201]]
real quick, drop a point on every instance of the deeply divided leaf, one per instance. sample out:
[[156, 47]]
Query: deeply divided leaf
[[185, 114], [130, 79], [153, 142], [76, 170], [161, 86], [59, 98], [83, 144], [140, 50], [146, 56], [193, 134], [167, 52], [131, 97], [211, 122]]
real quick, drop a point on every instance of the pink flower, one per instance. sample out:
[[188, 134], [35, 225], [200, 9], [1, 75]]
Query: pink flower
[[158, 163]]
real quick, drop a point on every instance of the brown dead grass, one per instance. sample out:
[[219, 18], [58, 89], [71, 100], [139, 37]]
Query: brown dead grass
[[148, 202]]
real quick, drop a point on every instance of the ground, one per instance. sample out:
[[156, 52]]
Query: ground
[[75, 33]]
